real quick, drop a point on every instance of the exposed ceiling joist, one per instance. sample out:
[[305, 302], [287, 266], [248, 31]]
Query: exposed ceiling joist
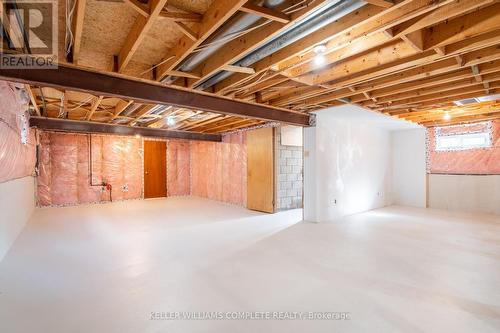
[[217, 14], [381, 3], [69, 77], [267, 13], [94, 107], [240, 47], [77, 30], [186, 30], [138, 32]]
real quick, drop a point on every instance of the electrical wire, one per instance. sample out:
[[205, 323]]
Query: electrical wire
[[68, 38]]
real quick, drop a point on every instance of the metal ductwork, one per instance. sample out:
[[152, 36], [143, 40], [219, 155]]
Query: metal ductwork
[[237, 23], [313, 22]]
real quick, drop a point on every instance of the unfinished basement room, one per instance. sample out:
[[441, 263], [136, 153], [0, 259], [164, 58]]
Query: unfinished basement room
[[250, 166]]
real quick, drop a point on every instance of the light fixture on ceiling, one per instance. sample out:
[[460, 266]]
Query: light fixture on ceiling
[[170, 121], [320, 49], [137, 136], [446, 116], [319, 59]]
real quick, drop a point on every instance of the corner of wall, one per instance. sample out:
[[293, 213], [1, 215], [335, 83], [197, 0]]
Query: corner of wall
[[16, 207]]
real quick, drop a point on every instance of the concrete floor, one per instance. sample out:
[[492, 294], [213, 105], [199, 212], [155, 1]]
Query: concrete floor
[[105, 268]]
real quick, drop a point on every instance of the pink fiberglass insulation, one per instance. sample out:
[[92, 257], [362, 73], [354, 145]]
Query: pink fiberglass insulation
[[178, 166], [17, 159], [472, 161], [219, 169], [65, 169]]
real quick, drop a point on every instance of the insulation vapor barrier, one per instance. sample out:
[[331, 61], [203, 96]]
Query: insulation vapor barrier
[[480, 161], [17, 142], [214, 170], [178, 166], [218, 170], [66, 176]]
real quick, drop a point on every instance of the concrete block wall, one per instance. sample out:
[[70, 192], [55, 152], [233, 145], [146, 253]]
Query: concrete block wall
[[289, 184]]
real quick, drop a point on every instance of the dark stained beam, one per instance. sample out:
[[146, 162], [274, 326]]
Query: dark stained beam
[[113, 85], [74, 126]]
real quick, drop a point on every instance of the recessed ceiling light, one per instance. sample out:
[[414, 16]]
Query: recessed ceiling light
[[170, 121], [319, 49], [319, 60], [446, 116]]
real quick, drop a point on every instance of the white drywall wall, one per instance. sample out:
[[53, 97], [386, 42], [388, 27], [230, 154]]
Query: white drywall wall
[[409, 168], [291, 135], [348, 162], [310, 179], [17, 203], [467, 193]]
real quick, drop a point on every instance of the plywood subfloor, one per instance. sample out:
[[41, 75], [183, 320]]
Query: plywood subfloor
[[105, 268]]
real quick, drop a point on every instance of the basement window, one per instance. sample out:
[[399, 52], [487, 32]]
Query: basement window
[[463, 141]]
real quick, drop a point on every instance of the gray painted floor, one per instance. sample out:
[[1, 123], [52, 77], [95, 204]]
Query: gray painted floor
[[105, 268]]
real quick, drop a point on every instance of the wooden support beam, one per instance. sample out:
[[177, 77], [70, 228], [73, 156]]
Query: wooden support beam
[[430, 68], [100, 84], [65, 103], [460, 60], [229, 124], [239, 69], [216, 15], [267, 13], [449, 10], [77, 29], [183, 74], [93, 127], [180, 17], [94, 107], [211, 119], [138, 32], [464, 27], [476, 72], [415, 39], [381, 3], [138, 6], [440, 50], [359, 46], [32, 99], [144, 111], [237, 48], [389, 32], [186, 30], [412, 93], [119, 108], [143, 10], [295, 50]]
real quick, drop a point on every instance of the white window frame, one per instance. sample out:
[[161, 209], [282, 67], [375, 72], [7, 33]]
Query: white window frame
[[461, 138]]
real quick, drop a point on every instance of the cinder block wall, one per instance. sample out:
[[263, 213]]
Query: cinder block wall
[[289, 163]]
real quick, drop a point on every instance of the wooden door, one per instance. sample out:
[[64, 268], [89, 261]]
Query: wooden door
[[155, 169], [260, 167]]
